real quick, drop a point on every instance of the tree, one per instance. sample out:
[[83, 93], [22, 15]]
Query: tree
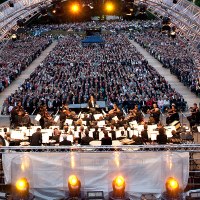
[[197, 2]]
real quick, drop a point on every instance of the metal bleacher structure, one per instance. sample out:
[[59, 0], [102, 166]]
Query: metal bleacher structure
[[184, 15]]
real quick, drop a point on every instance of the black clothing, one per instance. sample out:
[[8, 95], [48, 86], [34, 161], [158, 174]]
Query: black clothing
[[56, 138], [121, 137], [106, 141], [91, 104], [36, 139], [96, 135], [161, 139], [86, 140], [65, 143], [113, 134]]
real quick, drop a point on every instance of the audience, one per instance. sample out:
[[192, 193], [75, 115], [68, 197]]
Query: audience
[[17, 55], [115, 73], [173, 53]]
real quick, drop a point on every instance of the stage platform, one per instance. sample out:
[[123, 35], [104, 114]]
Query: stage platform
[[47, 168]]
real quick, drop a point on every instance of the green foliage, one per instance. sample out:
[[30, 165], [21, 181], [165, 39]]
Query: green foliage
[[1, 1], [197, 2]]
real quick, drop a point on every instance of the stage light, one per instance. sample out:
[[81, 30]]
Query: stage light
[[54, 11], [22, 185], [21, 190], [73, 180], [74, 186], [172, 189], [75, 8], [109, 7], [119, 181], [118, 185], [14, 37], [172, 184]]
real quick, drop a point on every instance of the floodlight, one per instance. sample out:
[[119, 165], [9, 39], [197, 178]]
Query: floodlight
[[14, 37], [74, 186], [22, 185], [54, 11], [173, 190], [75, 8], [118, 186], [171, 185], [21, 190], [109, 7]]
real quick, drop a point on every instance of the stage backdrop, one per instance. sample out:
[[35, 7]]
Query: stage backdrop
[[144, 172]]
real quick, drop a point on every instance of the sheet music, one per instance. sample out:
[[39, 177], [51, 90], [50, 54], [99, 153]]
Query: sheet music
[[56, 118], [69, 121], [38, 117], [97, 116], [101, 123]]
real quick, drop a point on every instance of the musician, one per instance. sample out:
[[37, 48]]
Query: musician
[[65, 142], [106, 140], [17, 114], [42, 110], [96, 133], [126, 131], [26, 120], [20, 113], [113, 133], [161, 137], [144, 134], [86, 119], [92, 102], [122, 136], [172, 115], [86, 139], [64, 114], [13, 118], [46, 119], [36, 138], [56, 135], [115, 111], [136, 140], [135, 114], [155, 113], [193, 118]]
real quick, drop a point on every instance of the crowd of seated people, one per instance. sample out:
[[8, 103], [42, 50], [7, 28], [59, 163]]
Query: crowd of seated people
[[113, 73], [82, 26], [173, 53], [15, 56]]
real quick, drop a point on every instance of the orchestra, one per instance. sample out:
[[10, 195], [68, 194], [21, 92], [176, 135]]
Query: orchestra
[[114, 118], [20, 118]]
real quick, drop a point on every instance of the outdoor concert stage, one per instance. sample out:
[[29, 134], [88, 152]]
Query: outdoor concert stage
[[145, 169]]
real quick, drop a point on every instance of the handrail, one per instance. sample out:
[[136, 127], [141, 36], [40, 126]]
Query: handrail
[[125, 148]]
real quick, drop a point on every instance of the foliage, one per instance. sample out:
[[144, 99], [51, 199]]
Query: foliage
[[197, 2]]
